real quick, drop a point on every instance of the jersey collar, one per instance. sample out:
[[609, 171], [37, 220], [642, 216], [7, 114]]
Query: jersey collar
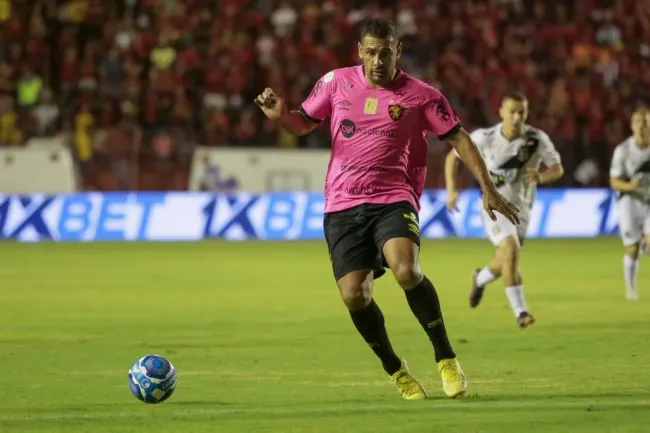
[[398, 80]]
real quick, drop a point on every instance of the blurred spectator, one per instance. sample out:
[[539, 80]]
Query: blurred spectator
[[8, 120], [134, 85], [29, 88], [46, 114], [83, 124]]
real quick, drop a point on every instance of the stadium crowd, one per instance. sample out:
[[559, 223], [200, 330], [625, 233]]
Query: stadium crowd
[[133, 86]]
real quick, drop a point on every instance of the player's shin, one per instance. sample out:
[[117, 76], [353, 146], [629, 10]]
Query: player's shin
[[487, 274], [630, 270], [369, 321], [514, 288], [515, 294], [425, 305]]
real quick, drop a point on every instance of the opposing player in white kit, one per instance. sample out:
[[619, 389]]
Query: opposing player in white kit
[[514, 153], [629, 175]]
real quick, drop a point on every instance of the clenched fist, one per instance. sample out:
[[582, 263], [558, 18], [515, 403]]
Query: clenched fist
[[272, 105]]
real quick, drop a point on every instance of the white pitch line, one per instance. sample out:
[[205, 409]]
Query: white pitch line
[[464, 405]]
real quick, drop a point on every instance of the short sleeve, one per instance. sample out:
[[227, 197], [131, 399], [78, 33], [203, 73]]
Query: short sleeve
[[617, 168], [439, 116], [549, 155], [318, 104]]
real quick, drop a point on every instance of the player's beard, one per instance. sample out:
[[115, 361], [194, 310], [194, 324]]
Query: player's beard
[[380, 76]]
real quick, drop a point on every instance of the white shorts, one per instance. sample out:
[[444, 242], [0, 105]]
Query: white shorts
[[633, 219], [500, 229]]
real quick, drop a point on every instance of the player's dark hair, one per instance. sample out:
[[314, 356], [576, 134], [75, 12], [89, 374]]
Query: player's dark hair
[[515, 96], [380, 28]]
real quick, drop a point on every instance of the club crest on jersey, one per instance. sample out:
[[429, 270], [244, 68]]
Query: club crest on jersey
[[396, 111]]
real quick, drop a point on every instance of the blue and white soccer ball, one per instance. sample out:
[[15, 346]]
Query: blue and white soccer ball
[[152, 379]]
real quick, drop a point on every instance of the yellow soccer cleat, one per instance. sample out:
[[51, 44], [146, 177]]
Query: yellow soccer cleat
[[407, 385], [454, 382]]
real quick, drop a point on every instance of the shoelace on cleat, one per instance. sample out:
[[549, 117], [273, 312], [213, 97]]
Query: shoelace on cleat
[[448, 369], [402, 378]]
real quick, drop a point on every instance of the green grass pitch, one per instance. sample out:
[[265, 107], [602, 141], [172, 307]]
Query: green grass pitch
[[262, 343]]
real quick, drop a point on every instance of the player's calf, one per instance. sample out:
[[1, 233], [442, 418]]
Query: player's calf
[[402, 257], [630, 270], [509, 250], [482, 277], [355, 289]]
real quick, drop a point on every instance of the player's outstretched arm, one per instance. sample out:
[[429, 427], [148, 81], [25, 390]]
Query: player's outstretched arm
[[549, 175], [451, 170], [295, 122], [551, 159], [276, 109], [617, 177], [471, 157], [623, 185]]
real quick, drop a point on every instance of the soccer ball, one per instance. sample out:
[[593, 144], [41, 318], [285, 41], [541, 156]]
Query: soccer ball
[[152, 379]]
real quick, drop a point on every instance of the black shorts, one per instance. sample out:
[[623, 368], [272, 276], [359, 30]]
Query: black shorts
[[355, 237]]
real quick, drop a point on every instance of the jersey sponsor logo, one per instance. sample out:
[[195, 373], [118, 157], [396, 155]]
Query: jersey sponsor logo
[[349, 129], [343, 105], [363, 190], [396, 111], [370, 107], [347, 167]]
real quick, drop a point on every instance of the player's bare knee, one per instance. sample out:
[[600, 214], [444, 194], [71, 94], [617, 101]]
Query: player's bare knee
[[356, 291], [632, 250], [356, 297], [496, 264], [509, 250], [407, 274]]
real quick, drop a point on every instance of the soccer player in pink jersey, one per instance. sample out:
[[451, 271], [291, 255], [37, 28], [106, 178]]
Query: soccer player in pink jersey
[[379, 120]]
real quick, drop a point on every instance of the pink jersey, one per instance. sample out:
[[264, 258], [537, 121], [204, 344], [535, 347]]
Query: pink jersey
[[379, 145]]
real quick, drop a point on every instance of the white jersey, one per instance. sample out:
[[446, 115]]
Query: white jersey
[[508, 161], [630, 161]]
